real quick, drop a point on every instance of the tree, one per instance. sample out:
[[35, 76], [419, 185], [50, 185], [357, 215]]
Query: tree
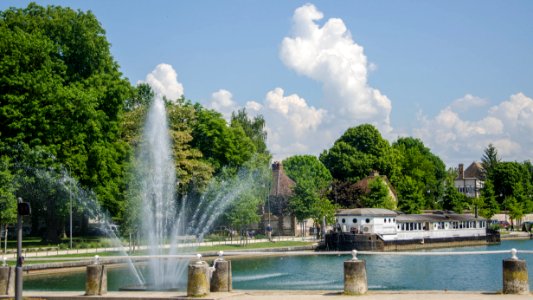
[[410, 199], [489, 206], [62, 93], [8, 201], [514, 208], [490, 160], [378, 195], [253, 128], [427, 170], [220, 144], [312, 182], [358, 151]]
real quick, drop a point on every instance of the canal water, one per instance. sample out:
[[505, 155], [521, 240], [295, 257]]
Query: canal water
[[325, 272]]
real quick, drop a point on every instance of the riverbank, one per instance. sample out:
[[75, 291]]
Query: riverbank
[[516, 235], [289, 295]]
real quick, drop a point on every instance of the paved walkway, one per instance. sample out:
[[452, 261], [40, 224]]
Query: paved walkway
[[289, 295]]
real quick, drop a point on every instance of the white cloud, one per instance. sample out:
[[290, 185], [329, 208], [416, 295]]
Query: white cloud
[[507, 125], [329, 55], [222, 101], [468, 102], [164, 81]]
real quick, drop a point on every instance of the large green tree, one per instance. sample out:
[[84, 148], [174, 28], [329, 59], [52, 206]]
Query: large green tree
[[426, 170], [61, 92], [358, 151]]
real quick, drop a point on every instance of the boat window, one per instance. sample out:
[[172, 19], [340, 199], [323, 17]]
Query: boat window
[[367, 220], [343, 220], [385, 220], [354, 220], [399, 227]]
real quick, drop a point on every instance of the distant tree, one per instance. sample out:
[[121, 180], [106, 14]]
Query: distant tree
[[490, 205], [220, 144], [345, 194], [514, 208], [358, 151], [254, 128], [426, 169], [378, 195], [489, 160], [410, 199], [312, 183]]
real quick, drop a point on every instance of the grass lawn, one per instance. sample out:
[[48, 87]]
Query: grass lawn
[[190, 250]]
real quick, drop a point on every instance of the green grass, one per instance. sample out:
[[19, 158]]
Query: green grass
[[234, 247]]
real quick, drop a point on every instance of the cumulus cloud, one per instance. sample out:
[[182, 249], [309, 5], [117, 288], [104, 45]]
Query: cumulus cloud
[[468, 102], [329, 55], [164, 81], [292, 124], [222, 101], [507, 125]]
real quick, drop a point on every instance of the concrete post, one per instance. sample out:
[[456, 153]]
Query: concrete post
[[515, 277], [355, 281], [96, 280], [7, 281], [198, 279], [221, 278]]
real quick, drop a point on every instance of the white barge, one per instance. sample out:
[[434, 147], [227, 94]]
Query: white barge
[[383, 229]]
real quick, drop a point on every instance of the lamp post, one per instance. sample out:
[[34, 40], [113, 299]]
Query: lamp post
[[23, 209]]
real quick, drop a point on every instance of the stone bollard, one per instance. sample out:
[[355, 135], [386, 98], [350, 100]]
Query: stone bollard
[[96, 280], [198, 278], [221, 278], [515, 277], [355, 282], [7, 281]]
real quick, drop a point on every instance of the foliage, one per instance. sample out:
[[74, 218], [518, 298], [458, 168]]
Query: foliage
[[490, 160], [427, 170], [220, 144], [358, 151], [410, 199], [345, 194], [312, 181], [8, 201], [453, 199], [489, 206], [253, 128], [61, 92], [378, 195]]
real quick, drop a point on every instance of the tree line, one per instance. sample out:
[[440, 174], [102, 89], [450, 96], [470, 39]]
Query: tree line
[[70, 123]]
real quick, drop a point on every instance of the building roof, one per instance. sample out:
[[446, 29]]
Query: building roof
[[281, 183], [371, 212], [437, 216], [474, 171]]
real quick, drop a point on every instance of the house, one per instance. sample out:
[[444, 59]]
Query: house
[[470, 181]]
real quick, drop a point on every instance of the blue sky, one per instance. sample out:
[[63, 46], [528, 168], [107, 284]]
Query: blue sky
[[457, 74]]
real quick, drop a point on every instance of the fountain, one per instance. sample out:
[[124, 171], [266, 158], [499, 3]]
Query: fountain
[[162, 217]]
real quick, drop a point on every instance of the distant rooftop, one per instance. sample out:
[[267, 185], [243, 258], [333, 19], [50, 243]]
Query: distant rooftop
[[372, 212]]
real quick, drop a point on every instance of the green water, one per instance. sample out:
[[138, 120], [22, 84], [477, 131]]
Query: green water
[[321, 272]]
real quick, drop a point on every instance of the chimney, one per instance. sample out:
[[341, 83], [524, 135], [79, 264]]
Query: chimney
[[461, 171]]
